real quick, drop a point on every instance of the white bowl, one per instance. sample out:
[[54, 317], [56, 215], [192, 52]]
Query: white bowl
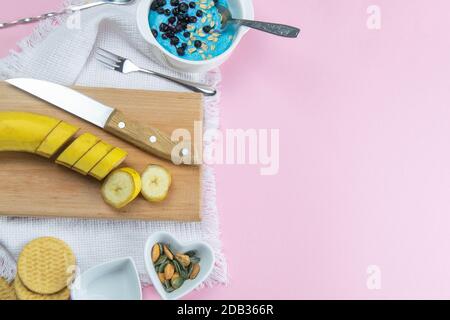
[[239, 8], [204, 252], [115, 280]]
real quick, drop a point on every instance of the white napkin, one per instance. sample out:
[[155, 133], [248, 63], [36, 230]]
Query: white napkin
[[59, 53]]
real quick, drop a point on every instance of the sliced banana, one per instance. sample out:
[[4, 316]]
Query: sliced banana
[[156, 182], [111, 161], [77, 150], [92, 157], [121, 187], [56, 139]]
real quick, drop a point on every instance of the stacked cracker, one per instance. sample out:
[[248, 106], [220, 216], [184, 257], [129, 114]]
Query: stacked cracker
[[44, 270]]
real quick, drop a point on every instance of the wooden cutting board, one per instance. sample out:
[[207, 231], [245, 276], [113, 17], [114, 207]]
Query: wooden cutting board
[[35, 186]]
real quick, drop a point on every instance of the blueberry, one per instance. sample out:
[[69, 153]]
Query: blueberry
[[164, 36], [192, 4], [197, 44], [170, 35], [181, 16], [179, 27], [174, 41], [193, 19], [155, 32], [181, 51], [167, 12], [199, 13], [163, 27], [207, 29], [174, 3], [187, 34], [184, 25], [154, 5], [161, 3], [183, 7], [172, 20], [184, 45], [175, 11], [160, 10]]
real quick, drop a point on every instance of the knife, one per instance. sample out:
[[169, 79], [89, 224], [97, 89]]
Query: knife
[[111, 120]]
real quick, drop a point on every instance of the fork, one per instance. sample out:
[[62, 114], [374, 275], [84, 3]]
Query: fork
[[124, 65]]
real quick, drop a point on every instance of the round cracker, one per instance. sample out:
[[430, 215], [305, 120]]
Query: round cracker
[[6, 290], [23, 293], [43, 265]]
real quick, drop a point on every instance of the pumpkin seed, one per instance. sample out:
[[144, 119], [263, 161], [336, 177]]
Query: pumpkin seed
[[191, 266], [162, 267], [170, 289], [183, 259], [191, 253], [156, 253], [177, 282], [167, 252], [168, 286], [195, 271], [181, 270], [161, 260], [161, 277], [195, 260], [169, 270]]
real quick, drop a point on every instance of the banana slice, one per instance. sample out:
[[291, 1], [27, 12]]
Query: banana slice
[[121, 187], [92, 157], [111, 161], [156, 182], [77, 150], [56, 139]]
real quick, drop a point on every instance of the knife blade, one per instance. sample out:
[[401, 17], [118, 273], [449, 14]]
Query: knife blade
[[110, 119]]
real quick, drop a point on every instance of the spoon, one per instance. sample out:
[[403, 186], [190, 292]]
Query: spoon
[[68, 10], [273, 28]]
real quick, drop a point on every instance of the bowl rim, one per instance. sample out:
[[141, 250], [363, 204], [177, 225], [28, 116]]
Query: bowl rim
[[142, 21], [154, 238]]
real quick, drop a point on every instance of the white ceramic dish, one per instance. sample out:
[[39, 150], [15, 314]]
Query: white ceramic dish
[[239, 8], [204, 251], [115, 280]]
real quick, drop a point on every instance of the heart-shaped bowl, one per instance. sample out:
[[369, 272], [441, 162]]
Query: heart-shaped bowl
[[114, 280], [204, 252]]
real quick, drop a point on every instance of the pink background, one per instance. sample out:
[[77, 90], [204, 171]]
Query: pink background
[[365, 151]]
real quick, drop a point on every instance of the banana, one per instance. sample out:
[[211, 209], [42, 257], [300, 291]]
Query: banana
[[23, 131], [92, 157], [111, 161], [156, 182], [77, 150], [121, 187], [56, 139]]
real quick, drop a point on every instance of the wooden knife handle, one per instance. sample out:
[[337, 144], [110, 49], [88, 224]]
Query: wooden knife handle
[[146, 138]]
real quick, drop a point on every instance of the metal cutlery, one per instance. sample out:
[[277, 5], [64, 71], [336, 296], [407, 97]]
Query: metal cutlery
[[273, 28], [145, 137], [69, 10], [124, 65]]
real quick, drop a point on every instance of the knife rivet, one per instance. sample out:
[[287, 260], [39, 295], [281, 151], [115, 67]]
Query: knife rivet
[[184, 152], [121, 125], [152, 139]]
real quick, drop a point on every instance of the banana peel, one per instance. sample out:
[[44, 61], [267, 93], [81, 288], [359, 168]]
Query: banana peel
[[24, 131]]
